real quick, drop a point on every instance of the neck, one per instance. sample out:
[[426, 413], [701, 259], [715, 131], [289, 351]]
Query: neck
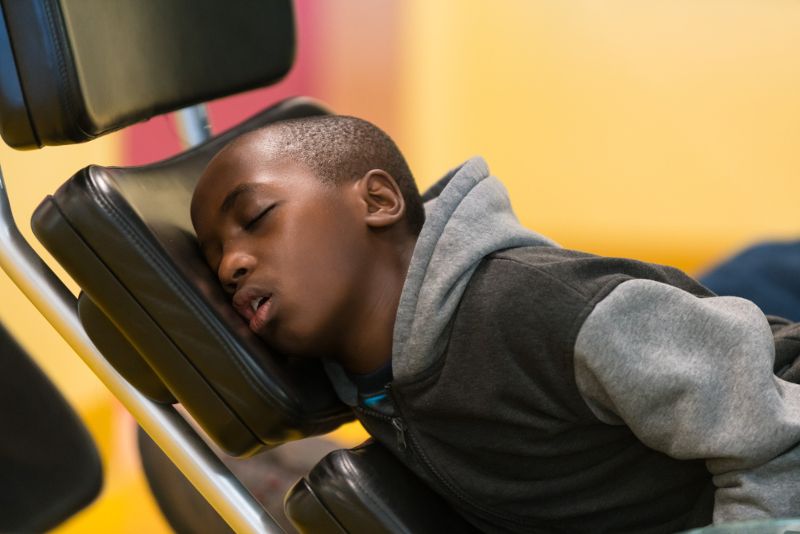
[[370, 346]]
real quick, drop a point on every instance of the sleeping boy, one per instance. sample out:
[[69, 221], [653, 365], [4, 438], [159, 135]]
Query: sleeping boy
[[536, 388]]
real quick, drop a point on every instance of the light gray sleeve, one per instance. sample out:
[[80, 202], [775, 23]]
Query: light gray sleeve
[[693, 378]]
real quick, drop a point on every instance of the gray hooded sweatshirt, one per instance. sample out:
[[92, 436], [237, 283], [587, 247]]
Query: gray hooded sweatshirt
[[542, 389]]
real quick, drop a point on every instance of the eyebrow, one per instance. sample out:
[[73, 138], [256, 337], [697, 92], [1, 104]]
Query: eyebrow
[[230, 198]]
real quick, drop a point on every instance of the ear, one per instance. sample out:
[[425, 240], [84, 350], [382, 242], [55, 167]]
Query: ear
[[381, 195]]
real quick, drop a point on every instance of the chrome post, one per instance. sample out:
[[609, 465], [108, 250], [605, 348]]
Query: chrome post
[[168, 429], [193, 125]]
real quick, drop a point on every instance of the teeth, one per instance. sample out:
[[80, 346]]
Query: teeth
[[255, 303]]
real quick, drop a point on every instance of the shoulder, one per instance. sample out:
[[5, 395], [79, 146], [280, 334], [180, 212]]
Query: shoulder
[[553, 290], [585, 275], [531, 294]]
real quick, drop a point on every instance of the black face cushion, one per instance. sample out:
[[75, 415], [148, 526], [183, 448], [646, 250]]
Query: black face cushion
[[71, 70], [366, 489], [125, 236]]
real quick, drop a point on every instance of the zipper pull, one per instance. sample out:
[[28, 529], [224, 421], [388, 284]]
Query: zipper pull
[[400, 428]]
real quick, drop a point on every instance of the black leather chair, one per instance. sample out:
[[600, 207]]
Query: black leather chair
[[49, 466], [71, 70]]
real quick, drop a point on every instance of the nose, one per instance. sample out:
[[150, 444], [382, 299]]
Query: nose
[[234, 268]]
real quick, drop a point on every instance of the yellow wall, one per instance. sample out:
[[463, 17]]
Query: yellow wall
[[29, 177], [663, 130]]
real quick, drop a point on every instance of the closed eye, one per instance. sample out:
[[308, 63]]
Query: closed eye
[[252, 223]]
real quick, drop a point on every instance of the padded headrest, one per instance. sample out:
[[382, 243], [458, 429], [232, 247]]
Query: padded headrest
[[125, 236], [72, 70]]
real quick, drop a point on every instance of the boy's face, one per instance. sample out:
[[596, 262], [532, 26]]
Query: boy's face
[[289, 248]]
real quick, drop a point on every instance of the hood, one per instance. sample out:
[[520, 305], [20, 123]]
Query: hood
[[468, 216]]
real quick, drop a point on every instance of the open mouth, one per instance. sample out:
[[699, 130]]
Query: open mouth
[[256, 303], [262, 311]]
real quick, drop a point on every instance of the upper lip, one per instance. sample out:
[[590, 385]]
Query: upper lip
[[243, 298]]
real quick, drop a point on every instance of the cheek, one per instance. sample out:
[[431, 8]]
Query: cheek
[[315, 300], [324, 269]]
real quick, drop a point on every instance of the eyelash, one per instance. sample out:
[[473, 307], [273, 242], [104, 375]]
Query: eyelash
[[255, 220]]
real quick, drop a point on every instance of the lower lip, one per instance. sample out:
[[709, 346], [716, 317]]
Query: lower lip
[[262, 316]]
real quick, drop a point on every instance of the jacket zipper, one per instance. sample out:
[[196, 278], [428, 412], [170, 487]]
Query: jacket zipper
[[397, 423], [416, 450], [400, 428], [402, 443]]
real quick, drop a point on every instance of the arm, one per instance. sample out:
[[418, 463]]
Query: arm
[[693, 378]]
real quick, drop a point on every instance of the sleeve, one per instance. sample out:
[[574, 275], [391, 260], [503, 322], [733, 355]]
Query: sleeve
[[693, 378]]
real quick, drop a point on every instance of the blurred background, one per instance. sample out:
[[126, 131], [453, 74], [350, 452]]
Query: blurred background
[[666, 131]]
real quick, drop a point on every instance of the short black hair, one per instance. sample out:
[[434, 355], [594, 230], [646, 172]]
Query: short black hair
[[339, 148]]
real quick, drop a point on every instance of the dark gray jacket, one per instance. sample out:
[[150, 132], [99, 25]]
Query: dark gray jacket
[[542, 389]]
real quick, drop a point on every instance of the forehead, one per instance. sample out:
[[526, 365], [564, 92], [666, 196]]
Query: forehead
[[241, 170]]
